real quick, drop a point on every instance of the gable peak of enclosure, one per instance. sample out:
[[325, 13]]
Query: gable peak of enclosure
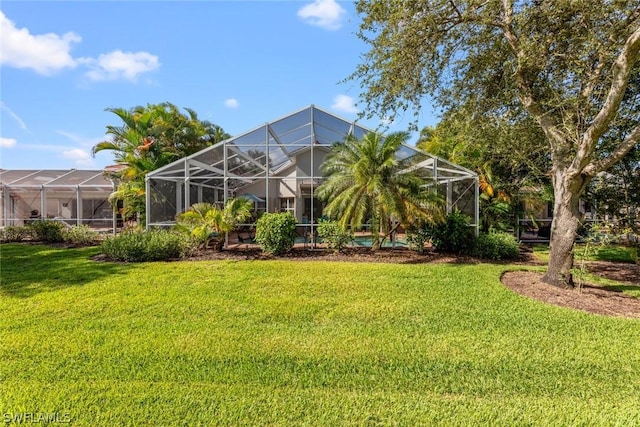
[[277, 166]]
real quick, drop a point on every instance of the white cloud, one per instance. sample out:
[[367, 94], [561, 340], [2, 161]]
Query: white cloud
[[7, 142], [231, 103], [120, 65], [43, 53], [80, 140], [344, 104], [326, 14], [79, 156], [48, 53], [79, 152], [13, 115]]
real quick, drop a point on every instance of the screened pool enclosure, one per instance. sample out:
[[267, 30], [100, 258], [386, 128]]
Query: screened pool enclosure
[[277, 167], [75, 197]]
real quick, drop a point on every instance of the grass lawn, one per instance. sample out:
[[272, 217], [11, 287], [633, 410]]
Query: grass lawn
[[613, 253], [300, 343]]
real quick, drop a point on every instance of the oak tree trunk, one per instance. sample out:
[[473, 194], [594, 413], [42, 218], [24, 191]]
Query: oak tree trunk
[[564, 228]]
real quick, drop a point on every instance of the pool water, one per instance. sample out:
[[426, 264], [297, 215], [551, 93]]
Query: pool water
[[365, 242]]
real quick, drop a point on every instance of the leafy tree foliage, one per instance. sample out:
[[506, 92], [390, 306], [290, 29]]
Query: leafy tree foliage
[[507, 154], [149, 138], [616, 193], [567, 64], [364, 183]]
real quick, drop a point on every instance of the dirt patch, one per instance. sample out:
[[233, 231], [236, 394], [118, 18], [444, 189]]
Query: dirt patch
[[589, 298]]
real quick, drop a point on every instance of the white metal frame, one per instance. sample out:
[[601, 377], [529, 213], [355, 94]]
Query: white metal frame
[[192, 170]]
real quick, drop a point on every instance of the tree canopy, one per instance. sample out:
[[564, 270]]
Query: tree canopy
[[508, 156], [566, 64]]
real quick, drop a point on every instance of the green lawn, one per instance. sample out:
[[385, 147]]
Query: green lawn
[[613, 253], [301, 343]]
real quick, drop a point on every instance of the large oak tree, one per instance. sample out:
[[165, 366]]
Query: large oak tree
[[567, 63]]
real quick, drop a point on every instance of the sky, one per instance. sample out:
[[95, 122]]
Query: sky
[[238, 64]]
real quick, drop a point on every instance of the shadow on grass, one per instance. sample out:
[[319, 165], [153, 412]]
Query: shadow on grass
[[29, 269], [622, 288], [615, 254]]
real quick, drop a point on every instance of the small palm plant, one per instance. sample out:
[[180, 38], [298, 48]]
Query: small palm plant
[[207, 223]]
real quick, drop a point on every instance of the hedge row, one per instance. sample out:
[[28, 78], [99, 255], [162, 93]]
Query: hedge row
[[50, 232]]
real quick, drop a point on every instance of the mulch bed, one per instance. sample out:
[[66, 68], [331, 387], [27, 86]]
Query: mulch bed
[[618, 271], [397, 255], [589, 298]]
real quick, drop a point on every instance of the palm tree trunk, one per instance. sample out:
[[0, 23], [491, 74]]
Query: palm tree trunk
[[375, 230]]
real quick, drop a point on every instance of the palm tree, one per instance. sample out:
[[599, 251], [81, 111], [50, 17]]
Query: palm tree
[[154, 136], [364, 181], [131, 194], [149, 138], [206, 222]]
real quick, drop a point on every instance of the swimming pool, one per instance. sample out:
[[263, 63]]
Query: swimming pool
[[365, 242]]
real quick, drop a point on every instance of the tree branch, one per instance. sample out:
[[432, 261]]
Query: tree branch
[[455, 9], [621, 71], [603, 164], [592, 80], [470, 18], [633, 15], [548, 125]]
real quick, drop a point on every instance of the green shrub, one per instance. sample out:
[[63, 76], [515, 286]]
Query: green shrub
[[336, 237], [276, 232], [80, 235], [418, 236], [496, 245], [140, 246], [454, 236], [48, 231], [15, 233]]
